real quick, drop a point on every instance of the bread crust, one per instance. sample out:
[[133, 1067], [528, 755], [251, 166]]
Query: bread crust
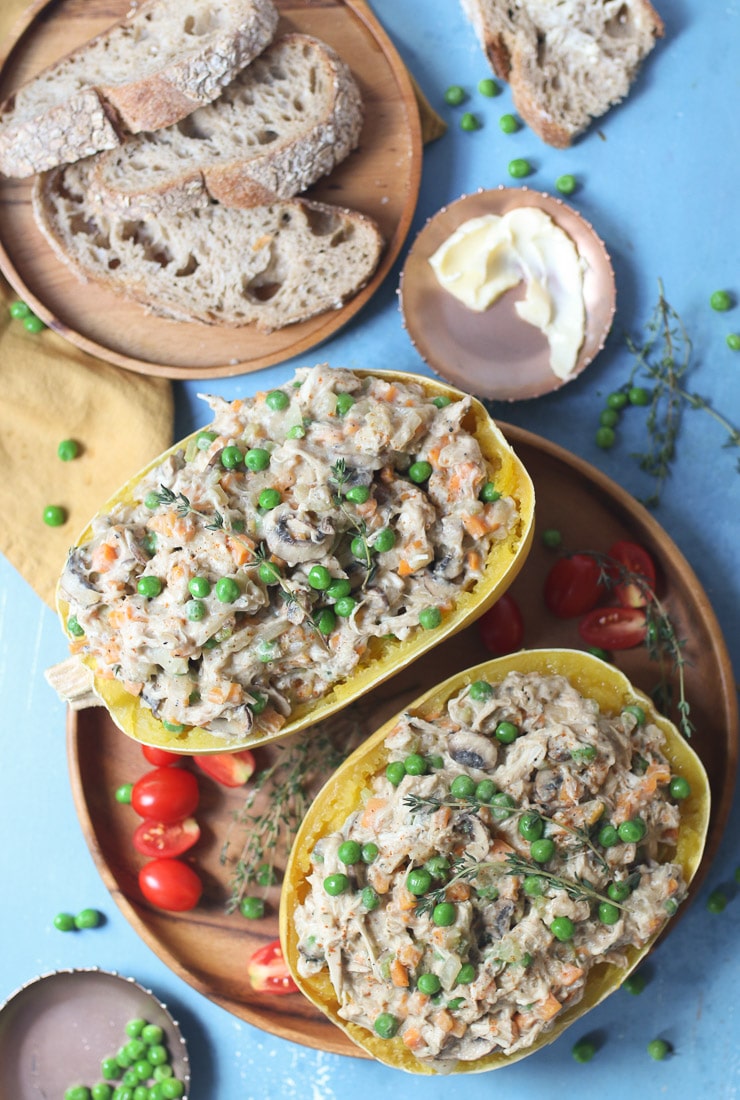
[[55, 120]]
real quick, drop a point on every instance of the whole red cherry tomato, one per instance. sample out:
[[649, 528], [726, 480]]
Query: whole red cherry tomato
[[268, 971], [166, 794], [635, 559], [154, 838], [232, 769], [573, 586], [501, 628], [161, 758], [170, 884], [614, 627]]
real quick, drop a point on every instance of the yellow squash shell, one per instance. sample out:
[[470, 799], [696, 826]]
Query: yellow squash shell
[[385, 657], [341, 796]]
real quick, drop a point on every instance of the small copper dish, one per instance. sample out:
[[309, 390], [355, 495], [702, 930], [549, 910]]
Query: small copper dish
[[495, 353]]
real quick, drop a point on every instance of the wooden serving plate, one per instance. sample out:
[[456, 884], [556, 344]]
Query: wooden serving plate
[[208, 948], [380, 179]]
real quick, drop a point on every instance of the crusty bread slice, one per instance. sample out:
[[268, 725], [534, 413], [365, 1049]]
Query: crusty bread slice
[[151, 69], [568, 61], [286, 120], [267, 265]]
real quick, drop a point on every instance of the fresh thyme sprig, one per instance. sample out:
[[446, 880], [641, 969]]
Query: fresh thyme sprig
[[578, 888], [184, 508], [339, 478]]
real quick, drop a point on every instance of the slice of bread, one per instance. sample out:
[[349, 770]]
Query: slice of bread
[[149, 70], [286, 120], [568, 61], [267, 265]]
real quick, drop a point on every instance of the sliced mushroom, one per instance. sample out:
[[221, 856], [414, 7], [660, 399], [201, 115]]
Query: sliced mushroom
[[295, 539], [236, 722], [75, 585], [473, 750], [478, 841]]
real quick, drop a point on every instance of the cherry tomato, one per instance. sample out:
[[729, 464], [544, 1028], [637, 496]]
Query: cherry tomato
[[166, 794], [268, 971], [170, 884], [154, 838], [232, 769], [501, 628], [614, 627], [637, 560], [161, 758], [573, 586]]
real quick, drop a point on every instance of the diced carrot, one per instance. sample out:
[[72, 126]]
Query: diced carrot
[[459, 1027], [133, 688], [240, 553], [475, 561], [417, 1002], [442, 816], [391, 393], [103, 557], [523, 1021], [444, 1021], [406, 900], [570, 974], [410, 954], [379, 881], [412, 1038], [368, 509], [433, 456], [500, 849], [372, 808], [474, 525], [549, 1007], [458, 891], [399, 974], [387, 474]]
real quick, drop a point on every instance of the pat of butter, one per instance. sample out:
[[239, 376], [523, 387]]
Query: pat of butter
[[486, 256]]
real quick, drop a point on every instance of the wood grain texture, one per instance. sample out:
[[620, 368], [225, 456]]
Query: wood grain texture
[[209, 949], [380, 179]]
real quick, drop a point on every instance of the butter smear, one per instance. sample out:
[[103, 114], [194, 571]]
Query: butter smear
[[486, 256]]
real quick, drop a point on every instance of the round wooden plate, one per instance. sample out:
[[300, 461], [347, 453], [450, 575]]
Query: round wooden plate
[[381, 179], [208, 948]]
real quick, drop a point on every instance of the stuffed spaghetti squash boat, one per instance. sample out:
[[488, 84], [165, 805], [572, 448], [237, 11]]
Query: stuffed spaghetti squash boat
[[493, 862], [308, 544]]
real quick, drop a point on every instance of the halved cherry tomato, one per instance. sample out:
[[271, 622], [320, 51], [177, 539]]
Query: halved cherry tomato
[[233, 769], [614, 627], [573, 586], [268, 971], [635, 559], [155, 838], [167, 794], [170, 884], [501, 628], [161, 758]]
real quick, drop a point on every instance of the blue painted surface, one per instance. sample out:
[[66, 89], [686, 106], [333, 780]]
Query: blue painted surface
[[661, 188]]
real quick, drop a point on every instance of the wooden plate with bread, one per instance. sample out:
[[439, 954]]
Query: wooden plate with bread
[[319, 220]]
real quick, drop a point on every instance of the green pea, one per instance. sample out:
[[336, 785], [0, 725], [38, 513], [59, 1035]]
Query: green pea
[[489, 493], [485, 790], [152, 501], [349, 852], [617, 400], [428, 983], [384, 540], [369, 898], [430, 618], [418, 881], [32, 323], [721, 300], [716, 902], [339, 588], [638, 395], [444, 914], [465, 975], [566, 184], [634, 984], [359, 548], [298, 431], [319, 577], [269, 573], [733, 341], [608, 836], [488, 87], [632, 831], [152, 1034], [195, 610], [143, 1069], [419, 472], [455, 1003], [110, 1069], [442, 401], [502, 805], [122, 794], [345, 401], [259, 702], [88, 918], [64, 922], [357, 494], [200, 587], [386, 1025], [618, 891], [203, 440], [415, 764], [583, 1050], [369, 852], [231, 457], [480, 690], [102, 1091], [531, 826], [77, 1092], [597, 651], [326, 621], [637, 713], [68, 449], [543, 850], [506, 732], [608, 418], [658, 1049], [155, 1092], [552, 538], [227, 590], [173, 727], [509, 124], [149, 586], [269, 499], [163, 1070], [605, 438], [266, 651], [265, 875], [74, 627], [141, 1092], [277, 400], [534, 886], [395, 772], [469, 122], [562, 929], [135, 1027], [462, 786], [608, 914], [438, 867], [54, 515], [336, 884], [679, 788], [18, 310], [519, 168], [124, 1060], [435, 761], [172, 1089], [257, 458], [252, 908], [455, 95]]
